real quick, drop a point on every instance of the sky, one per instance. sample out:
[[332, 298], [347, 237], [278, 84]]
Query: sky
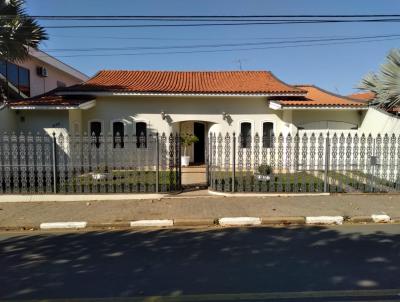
[[338, 68]]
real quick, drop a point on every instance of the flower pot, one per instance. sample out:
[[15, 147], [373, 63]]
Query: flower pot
[[185, 160], [99, 176], [262, 177]]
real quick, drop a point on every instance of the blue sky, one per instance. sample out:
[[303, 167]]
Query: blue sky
[[338, 68]]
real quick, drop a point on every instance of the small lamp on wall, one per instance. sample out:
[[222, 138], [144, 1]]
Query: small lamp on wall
[[226, 117], [163, 115]]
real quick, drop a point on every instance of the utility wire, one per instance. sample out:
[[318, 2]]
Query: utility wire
[[225, 50], [109, 17], [216, 24], [190, 39], [218, 45]]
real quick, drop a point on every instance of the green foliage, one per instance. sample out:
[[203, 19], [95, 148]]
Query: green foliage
[[18, 31], [386, 83], [264, 169], [188, 139]]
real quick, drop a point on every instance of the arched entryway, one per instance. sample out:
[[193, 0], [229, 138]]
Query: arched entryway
[[195, 175]]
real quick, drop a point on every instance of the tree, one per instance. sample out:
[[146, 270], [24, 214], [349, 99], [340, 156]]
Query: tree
[[386, 83], [18, 33]]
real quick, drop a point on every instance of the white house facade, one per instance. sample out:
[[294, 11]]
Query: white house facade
[[144, 102]]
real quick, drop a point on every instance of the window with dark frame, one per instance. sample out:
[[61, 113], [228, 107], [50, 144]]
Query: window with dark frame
[[24, 81], [12, 74], [118, 134], [141, 135], [95, 132], [245, 131], [18, 76], [268, 131]]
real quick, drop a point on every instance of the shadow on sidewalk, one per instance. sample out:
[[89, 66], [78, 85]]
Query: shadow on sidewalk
[[181, 262]]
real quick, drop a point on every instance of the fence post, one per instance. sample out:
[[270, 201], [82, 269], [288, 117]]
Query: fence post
[[233, 163], [178, 160], [373, 162], [157, 162], [54, 140], [207, 150], [327, 153]]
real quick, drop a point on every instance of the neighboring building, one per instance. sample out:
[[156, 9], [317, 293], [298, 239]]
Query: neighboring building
[[136, 102], [377, 120], [38, 74], [363, 96]]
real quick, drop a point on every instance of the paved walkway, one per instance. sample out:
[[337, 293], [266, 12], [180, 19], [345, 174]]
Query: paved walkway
[[197, 207]]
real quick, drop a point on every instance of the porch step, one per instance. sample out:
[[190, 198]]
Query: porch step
[[193, 169]]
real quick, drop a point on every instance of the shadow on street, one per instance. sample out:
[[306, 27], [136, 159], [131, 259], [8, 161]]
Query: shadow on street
[[176, 262]]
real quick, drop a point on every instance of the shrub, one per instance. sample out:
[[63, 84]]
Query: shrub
[[264, 169]]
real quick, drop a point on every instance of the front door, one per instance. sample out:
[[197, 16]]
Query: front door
[[199, 130]]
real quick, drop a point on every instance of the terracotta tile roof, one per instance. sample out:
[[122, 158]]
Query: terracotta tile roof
[[362, 96], [395, 109], [212, 82], [317, 97], [51, 99]]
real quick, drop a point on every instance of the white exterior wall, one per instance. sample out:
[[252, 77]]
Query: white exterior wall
[[327, 119], [7, 120], [42, 120], [41, 85], [377, 121], [131, 109]]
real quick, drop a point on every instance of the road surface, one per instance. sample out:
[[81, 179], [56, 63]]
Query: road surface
[[343, 263]]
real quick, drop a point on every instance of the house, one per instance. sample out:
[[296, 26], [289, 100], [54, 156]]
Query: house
[[141, 102], [38, 74]]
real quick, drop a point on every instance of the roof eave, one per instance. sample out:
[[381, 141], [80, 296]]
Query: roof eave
[[110, 93], [83, 106], [324, 107]]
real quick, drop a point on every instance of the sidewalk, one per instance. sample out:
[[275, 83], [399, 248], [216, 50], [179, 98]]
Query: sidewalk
[[32, 214]]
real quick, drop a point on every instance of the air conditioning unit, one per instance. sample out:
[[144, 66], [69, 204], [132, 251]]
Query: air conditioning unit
[[42, 72]]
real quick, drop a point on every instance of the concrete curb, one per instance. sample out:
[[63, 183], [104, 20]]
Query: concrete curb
[[206, 222], [239, 221], [76, 197], [152, 223], [360, 219], [195, 222], [380, 218], [225, 194], [108, 225], [324, 220], [283, 220], [63, 225]]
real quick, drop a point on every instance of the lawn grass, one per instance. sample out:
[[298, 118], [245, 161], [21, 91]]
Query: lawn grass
[[359, 181], [280, 182], [121, 181]]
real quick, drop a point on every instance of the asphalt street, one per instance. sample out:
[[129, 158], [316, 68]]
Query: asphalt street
[[342, 263]]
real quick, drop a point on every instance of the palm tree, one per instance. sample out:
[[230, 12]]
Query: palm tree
[[386, 83], [18, 32]]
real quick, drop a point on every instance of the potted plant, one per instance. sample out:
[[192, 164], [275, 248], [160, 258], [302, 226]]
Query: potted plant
[[264, 172], [187, 140]]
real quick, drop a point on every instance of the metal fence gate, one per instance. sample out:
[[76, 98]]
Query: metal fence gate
[[67, 164], [306, 162]]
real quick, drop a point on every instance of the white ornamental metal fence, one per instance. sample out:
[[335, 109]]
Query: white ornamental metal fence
[[67, 164], [309, 162]]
